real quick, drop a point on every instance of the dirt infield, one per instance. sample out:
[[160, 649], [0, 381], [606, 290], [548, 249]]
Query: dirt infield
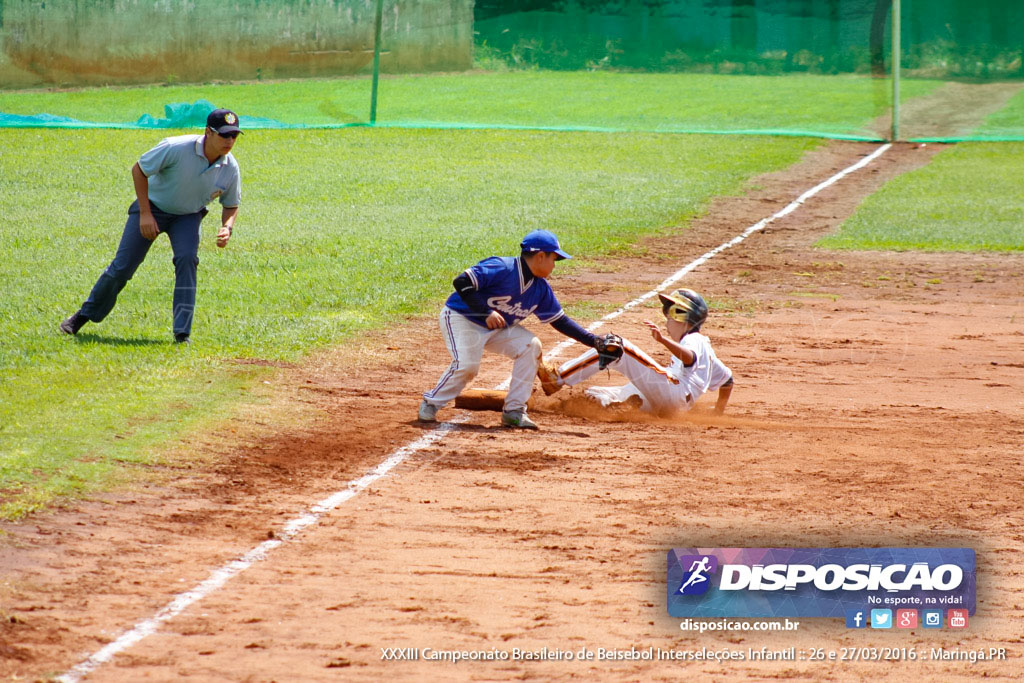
[[878, 403]]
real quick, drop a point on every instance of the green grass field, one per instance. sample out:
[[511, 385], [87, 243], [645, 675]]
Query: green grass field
[[828, 105], [967, 199], [348, 230], [1007, 121], [341, 231]]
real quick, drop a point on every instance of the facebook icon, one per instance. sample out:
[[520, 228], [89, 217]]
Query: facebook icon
[[856, 618]]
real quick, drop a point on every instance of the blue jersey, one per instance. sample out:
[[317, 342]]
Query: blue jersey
[[501, 284]]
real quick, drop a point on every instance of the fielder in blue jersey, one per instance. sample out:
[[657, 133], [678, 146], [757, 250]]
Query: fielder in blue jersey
[[490, 301]]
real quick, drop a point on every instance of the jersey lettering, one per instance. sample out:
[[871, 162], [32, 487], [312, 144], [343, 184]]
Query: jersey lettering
[[500, 303]]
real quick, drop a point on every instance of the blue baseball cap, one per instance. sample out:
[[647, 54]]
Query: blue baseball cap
[[543, 240]]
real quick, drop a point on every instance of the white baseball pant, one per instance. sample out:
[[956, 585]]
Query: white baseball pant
[[466, 342], [662, 392]]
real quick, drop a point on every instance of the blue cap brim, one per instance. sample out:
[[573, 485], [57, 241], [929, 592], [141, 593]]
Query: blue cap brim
[[561, 255]]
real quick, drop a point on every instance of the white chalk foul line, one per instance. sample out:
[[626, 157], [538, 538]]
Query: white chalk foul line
[[756, 227], [222, 575]]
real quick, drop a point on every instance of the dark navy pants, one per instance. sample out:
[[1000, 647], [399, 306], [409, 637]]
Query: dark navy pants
[[183, 232]]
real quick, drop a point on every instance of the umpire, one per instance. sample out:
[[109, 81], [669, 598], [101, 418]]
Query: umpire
[[174, 182]]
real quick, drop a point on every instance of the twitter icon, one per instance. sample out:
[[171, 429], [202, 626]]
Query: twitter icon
[[881, 618]]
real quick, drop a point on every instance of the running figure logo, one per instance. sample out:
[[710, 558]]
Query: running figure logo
[[697, 578]]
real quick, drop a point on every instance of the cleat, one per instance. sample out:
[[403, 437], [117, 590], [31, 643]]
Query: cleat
[[428, 412], [550, 380], [182, 338], [517, 419], [74, 323]]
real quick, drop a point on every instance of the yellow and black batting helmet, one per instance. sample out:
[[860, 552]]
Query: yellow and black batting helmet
[[685, 306]]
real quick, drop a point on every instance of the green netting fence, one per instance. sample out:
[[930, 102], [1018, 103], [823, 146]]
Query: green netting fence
[[793, 67]]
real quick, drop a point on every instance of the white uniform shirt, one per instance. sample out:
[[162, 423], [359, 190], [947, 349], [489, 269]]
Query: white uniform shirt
[[707, 372]]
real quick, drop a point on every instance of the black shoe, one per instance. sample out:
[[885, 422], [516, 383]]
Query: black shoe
[[182, 338], [74, 323]]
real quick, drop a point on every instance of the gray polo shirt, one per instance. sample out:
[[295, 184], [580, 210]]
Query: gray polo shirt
[[182, 181]]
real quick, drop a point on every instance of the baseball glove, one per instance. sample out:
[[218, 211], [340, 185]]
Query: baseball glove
[[549, 379], [609, 350]]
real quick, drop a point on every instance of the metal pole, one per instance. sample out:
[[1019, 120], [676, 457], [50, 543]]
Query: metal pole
[[896, 28], [376, 62]]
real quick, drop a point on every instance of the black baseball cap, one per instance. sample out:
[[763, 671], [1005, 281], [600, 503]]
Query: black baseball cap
[[223, 121]]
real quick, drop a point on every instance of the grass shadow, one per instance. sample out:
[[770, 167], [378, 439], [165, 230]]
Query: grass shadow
[[120, 341]]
